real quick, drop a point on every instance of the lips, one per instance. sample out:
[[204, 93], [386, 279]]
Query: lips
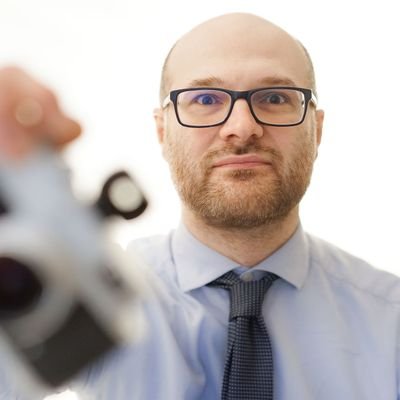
[[241, 161]]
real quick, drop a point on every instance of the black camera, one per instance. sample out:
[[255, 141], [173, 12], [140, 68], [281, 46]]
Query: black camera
[[67, 297]]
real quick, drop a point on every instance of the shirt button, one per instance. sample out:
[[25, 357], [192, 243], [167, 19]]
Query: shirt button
[[247, 277]]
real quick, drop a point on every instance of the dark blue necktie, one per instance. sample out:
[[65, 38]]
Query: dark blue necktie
[[248, 373]]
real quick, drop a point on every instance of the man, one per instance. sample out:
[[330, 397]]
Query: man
[[240, 129]]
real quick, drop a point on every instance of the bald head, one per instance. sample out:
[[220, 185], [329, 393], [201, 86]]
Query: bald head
[[230, 39]]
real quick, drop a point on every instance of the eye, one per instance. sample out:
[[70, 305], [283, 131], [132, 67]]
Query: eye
[[206, 99], [203, 99], [274, 98]]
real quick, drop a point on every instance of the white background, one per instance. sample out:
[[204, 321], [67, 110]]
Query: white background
[[104, 57]]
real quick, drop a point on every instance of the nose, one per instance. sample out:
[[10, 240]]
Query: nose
[[241, 123]]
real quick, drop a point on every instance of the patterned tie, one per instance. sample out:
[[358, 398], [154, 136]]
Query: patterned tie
[[248, 371]]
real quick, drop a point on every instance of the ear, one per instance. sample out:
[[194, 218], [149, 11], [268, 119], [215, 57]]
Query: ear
[[319, 119], [159, 120]]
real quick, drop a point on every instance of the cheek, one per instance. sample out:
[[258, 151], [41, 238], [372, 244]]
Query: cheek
[[296, 141], [187, 143], [282, 139]]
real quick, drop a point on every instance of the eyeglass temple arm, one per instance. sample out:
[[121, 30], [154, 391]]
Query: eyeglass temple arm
[[166, 101], [312, 100]]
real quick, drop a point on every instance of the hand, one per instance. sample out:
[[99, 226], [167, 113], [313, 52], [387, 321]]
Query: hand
[[30, 116]]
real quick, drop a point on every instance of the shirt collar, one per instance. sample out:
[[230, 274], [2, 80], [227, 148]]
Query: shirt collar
[[197, 264]]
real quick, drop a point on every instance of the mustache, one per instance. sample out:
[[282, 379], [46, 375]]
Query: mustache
[[271, 154]]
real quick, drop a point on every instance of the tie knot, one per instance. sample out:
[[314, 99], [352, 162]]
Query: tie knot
[[246, 297]]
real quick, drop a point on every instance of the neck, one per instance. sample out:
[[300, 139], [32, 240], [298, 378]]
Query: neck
[[247, 247]]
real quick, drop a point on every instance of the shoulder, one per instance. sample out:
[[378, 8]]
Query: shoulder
[[352, 271], [155, 255], [154, 249]]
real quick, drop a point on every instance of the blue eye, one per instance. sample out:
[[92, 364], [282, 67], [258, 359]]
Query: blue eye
[[206, 99], [274, 98]]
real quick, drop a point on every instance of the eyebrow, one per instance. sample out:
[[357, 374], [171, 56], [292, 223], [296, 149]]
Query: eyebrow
[[213, 81], [209, 81], [277, 81]]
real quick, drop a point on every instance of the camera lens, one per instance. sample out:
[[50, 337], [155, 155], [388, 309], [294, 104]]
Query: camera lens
[[121, 196], [20, 288], [3, 208]]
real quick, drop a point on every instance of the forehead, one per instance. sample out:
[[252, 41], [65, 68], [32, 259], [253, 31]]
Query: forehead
[[239, 54]]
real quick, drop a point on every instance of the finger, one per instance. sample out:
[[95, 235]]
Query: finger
[[28, 113], [15, 144], [61, 129], [44, 121], [32, 114]]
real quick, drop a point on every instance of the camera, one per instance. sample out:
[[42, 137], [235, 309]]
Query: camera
[[67, 296]]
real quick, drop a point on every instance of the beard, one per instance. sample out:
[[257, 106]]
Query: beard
[[241, 198]]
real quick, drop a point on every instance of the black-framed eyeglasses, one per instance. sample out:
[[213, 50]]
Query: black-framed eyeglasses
[[205, 107]]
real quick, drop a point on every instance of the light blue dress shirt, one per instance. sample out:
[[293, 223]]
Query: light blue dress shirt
[[333, 322]]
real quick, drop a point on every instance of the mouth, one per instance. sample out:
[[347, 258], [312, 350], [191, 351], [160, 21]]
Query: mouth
[[243, 161]]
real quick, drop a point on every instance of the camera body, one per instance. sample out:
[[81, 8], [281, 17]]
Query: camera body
[[67, 297]]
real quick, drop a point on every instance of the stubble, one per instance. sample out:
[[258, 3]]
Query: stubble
[[241, 198]]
